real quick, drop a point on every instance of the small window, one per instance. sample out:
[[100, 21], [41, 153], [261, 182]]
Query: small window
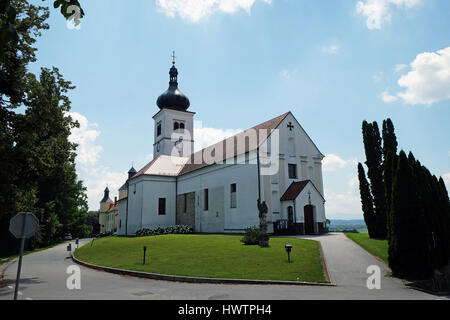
[[233, 195], [290, 214], [162, 206], [176, 126], [206, 200], [292, 171], [181, 126], [158, 129], [185, 203]]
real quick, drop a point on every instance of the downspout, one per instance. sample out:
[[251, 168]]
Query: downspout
[[259, 174], [128, 199], [176, 198]]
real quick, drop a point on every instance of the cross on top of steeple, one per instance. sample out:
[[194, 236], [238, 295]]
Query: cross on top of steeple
[[173, 57]]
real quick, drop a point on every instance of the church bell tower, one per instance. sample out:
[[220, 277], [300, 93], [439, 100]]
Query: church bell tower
[[174, 128]]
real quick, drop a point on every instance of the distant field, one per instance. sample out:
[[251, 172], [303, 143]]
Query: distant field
[[378, 248], [211, 256], [346, 228]]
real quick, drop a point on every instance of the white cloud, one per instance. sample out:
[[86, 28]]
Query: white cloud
[[378, 77], [388, 98], [378, 12], [446, 178], [195, 10], [332, 162], [205, 137], [331, 50], [344, 205], [84, 136], [400, 67], [428, 81], [288, 73], [95, 178]]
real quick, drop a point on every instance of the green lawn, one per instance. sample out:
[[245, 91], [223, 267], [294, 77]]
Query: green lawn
[[211, 256], [378, 248]]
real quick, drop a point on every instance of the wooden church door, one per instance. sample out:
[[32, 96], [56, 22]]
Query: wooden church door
[[309, 219]]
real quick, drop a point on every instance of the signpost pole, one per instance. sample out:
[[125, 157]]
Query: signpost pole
[[19, 267]]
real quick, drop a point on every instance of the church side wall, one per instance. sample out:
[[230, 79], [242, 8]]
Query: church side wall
[[122, 217], [153, 190], [222, 176]]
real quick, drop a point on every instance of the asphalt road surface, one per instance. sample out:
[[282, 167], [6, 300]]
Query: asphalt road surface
[[44, 277]]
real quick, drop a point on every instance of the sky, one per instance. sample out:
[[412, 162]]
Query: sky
[[332, 63]]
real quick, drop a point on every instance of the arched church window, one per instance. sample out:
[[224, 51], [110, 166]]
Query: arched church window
[[176, 126], [181, 126]]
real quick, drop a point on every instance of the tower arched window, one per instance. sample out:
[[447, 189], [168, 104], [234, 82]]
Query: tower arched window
[[176, 126], [182, 126]]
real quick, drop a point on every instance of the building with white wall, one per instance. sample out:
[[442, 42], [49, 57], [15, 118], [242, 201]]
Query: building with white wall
[[215, 190]]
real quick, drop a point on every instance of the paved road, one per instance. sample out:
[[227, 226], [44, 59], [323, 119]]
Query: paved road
[[44, 277]]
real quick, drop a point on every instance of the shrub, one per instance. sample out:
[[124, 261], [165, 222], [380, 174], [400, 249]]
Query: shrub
[[251, 236], [178, 229]]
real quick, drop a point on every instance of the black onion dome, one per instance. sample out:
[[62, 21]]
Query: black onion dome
[[173, 98]]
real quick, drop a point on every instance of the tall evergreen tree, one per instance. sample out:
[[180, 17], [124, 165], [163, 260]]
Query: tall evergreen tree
[[374, 162], [408, 247], [366, 201], [389, 139], [390, 164]]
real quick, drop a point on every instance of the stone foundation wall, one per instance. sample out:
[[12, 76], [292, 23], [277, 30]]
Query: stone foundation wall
[[186, 217]]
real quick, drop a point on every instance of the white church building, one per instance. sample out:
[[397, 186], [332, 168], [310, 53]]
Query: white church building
[[215, 190]]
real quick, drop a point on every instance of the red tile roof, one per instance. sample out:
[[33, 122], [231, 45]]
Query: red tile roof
[[270, 126], [113, 207], [294, 190]]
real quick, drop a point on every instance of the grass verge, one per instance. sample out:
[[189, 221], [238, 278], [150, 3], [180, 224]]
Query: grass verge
[[210, 256], [378, 248]]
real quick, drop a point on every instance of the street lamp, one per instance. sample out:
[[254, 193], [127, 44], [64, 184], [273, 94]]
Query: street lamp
[[288, 247], [145, 249]]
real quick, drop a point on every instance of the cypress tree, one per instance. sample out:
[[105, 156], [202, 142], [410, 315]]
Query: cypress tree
[[374, 162], [408, 254], [390, 163], [366, 201], [389, 138]]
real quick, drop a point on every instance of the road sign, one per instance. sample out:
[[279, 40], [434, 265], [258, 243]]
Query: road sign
[[23, 225]]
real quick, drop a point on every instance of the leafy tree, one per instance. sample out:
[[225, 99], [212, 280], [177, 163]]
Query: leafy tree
[[15, 194], [10, 10], [49, 157]]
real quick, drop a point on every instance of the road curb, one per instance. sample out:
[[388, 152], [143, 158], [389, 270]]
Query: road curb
[[165, 277], [328, 276], [3, 267]]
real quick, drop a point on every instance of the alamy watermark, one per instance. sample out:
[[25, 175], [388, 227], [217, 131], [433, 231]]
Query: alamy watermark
[[73, 281], [374, 280], [74, 17]]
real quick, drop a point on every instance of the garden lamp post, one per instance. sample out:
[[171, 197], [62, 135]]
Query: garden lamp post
[[288, 248]]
